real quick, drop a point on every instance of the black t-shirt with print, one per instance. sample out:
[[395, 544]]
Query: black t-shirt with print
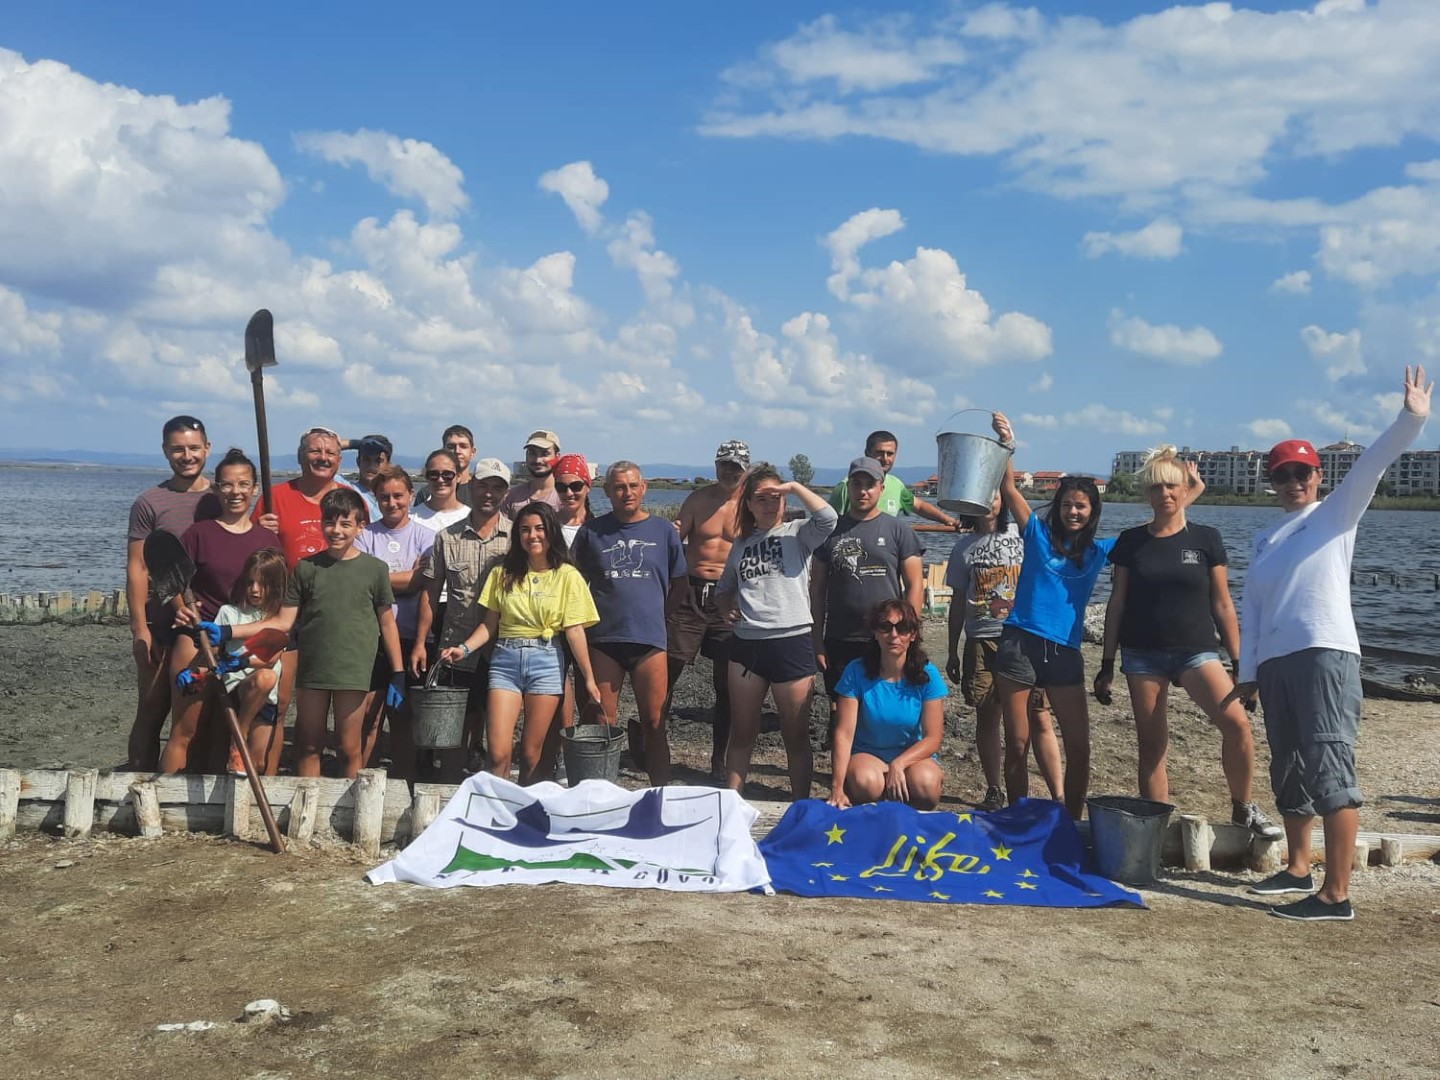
[[1167, 598]]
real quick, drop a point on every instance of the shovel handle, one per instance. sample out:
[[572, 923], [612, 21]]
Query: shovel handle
[[262, 438]]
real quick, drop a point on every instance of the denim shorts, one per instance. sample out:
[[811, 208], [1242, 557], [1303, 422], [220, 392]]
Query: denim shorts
[[1162, 663], [528, 666], [1031, 660]]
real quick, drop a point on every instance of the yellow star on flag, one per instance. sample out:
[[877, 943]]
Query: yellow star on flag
[[1026, 885], [939, 895], [1028, 873], [838, 877], [964, 817], [994, 895], [834, 833], [879, 888], [1001, 852]]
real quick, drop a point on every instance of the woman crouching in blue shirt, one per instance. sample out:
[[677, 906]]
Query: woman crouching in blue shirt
[[890, 717], [1040, 643]]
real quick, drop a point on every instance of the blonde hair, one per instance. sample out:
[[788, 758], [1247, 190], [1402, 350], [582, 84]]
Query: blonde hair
[[1163, 465]]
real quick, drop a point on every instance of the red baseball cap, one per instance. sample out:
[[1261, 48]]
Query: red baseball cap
[[1292, 452]]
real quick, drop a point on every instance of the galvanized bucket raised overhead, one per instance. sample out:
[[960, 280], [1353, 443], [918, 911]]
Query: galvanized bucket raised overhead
[[970, 469], [1128, 835], [437, 713], [592, 752]]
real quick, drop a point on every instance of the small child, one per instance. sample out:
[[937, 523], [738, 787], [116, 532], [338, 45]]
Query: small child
[[255, 688], [334, 600]]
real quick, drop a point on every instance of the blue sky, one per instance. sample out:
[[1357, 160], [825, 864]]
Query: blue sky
[[655, 227]]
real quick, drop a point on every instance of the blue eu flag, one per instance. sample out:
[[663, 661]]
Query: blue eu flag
[[1028, 854]]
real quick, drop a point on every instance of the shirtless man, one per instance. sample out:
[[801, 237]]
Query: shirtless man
[[694, 624]]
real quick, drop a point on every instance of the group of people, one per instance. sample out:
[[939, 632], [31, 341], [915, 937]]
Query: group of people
[[542, 609]]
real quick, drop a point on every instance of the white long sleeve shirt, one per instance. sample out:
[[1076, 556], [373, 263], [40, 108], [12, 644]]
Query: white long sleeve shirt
[[1297, 589]]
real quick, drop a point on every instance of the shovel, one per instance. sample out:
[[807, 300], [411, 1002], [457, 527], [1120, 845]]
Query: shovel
[[170, 573], [260, 354]]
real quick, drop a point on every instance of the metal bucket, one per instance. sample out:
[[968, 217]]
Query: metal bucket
[[1127, 834], [592, 752], [970, 470], [437, 713]]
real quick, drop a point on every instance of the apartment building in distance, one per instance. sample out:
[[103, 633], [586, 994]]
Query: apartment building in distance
[[1242, 472]]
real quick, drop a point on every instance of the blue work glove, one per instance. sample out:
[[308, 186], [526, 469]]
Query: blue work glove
[[217, 634], [190, 681], [229, 663], [395, 692]]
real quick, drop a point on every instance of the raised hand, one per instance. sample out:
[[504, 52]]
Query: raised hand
[[1417, 392], [1001, 424]]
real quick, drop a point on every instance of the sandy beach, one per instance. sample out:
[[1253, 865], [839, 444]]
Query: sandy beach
[[109, 937]]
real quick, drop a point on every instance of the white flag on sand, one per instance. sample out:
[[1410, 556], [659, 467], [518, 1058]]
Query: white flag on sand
[[494, 832]]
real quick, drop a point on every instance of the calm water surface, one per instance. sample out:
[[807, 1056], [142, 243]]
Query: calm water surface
[[64, 528]]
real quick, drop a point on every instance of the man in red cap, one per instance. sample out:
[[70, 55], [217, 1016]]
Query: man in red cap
[[1300, 651]]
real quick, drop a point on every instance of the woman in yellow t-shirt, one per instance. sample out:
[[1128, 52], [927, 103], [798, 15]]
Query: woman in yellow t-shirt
[[532, 599]]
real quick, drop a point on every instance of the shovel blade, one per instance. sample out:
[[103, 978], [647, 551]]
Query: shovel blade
[[267, 644], [170, 567], [260, 341]]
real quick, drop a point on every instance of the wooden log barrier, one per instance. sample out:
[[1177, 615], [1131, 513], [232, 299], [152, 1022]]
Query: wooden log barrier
[[1392, 851], [1361, 859], [369, 817], [238, 804], [1265, 856], [80, 802], [1195, 841], [147, 808], [304, 807], [9, 801], [424, 809]]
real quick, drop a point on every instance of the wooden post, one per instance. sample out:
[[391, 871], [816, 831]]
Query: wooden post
[[369, 810], [80, 802], [1361, 861], [238, 803], [147, 808], [304, 805], [1195, 840], [94, 603], [9, 801], [1265, 856], [63, 603], [424, 809], [1392, 851], [121, 602]]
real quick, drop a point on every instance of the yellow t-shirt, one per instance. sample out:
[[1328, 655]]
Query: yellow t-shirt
[[542, 604]]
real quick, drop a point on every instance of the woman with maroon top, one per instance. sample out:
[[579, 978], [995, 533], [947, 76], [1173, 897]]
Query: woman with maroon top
[[219, 549], [173, 505]]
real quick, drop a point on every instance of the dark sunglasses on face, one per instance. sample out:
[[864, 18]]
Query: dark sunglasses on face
[[891, 628], [574, 487], [1287, 473], [441, 476]]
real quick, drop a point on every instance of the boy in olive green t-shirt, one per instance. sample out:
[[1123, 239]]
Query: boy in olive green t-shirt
[[334, 601]]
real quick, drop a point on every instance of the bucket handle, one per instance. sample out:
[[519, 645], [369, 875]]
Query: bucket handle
[[960, 412], [433, 677]]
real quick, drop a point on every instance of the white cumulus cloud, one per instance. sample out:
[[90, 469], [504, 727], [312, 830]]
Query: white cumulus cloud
[[845, 242], [408, 168], [584, 192], [1167, 343], [1269, 429], [1043, 384], [1161, 239], [1339, 354], [1104, 419], [1297, 283]]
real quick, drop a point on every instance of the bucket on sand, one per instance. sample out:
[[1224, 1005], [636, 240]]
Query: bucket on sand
[[592, 752], [437, 713], [970, 470], [1127, 834]]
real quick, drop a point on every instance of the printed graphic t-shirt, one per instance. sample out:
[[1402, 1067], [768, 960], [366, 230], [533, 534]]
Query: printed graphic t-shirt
[[1167, 596], [769, 571], [862, 561], [629, 568], [1052, 592], [336, 628], [985, 570], [542, 604], [889, 720]]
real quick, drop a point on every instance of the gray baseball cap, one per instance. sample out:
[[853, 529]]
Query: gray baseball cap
[[868, 466]]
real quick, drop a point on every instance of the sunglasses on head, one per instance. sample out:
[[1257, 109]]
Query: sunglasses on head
[[323, 431], [443, 476], [1287, 473], [891, 628], [575, 487]]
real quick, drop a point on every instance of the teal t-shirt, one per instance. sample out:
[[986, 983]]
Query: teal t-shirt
[[889, 720]]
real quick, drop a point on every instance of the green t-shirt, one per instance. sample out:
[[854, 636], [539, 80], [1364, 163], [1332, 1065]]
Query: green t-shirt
[[337, 629], [895, 500]]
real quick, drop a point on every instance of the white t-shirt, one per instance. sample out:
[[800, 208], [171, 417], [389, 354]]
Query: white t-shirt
[[230, 615]]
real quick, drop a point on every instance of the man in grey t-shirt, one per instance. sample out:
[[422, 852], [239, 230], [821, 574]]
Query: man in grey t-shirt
[[870, 557]]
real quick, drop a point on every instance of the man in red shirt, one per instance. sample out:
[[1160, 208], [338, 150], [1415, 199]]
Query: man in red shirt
[[295, 509]]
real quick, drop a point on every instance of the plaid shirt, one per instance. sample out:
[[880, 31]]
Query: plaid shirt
[[462, 560]]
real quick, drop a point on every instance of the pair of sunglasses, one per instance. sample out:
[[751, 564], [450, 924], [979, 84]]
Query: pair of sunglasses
[[891, 628], [1286, 473], [574, 487], [441, 476]]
